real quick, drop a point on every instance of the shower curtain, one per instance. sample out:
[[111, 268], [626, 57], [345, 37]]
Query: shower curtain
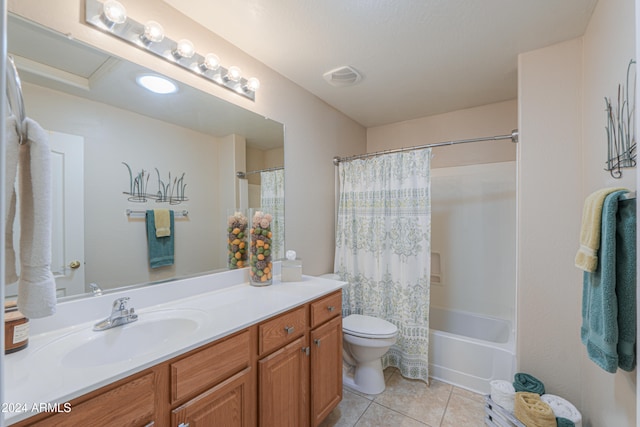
[[272, 201], [383, 249]]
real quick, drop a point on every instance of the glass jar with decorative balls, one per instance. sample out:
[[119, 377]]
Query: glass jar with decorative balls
[[260, 263], [237, 235]]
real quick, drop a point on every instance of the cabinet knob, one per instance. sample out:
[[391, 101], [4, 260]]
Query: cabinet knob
[[331, 308], [317, 342], [289, 329], [306, 350]]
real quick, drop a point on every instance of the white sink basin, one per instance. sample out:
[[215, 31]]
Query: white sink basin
[[152, 330]]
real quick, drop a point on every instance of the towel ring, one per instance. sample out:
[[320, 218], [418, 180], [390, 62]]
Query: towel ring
[[16, 102]]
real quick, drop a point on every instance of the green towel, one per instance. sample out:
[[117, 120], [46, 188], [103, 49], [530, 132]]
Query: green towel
[[563, 422], [160, 248], [528, 383], [608, 302]]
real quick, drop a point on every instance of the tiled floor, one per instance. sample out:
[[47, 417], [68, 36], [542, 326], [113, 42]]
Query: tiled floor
[[409, 403]]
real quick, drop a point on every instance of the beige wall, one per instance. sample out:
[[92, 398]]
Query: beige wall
[[561, 157], [487, 120], [549, 211], [115, 246], [314, 131], [609, 44]]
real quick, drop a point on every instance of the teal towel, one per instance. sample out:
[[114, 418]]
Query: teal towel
[[564, 422], [608, 301], [527, 383], [626, 283], [160, 248]]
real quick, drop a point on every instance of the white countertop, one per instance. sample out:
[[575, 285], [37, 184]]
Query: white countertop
[[223, 303]]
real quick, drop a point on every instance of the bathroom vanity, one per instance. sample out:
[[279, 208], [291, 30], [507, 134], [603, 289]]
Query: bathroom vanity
[[273, 357]]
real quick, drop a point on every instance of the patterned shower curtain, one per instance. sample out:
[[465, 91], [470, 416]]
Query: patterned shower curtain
[[272, 201], [383, 249]]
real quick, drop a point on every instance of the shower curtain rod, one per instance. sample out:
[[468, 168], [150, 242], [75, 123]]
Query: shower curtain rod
[[243, 175], [513, 136]]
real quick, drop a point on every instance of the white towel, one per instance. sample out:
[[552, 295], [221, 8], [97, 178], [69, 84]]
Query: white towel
[[563, 408], [10, 275], [503, 393], [36, 286]]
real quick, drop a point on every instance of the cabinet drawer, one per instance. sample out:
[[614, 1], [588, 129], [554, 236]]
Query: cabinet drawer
[[209, 366], [326, 308], [131, 404], [277, 332]]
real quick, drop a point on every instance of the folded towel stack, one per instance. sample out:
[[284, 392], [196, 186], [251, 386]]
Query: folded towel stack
[[532, 411], [527, 383], [563, 409], [503, 393]]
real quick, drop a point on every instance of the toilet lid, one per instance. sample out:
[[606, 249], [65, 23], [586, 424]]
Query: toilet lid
[[368, 327]]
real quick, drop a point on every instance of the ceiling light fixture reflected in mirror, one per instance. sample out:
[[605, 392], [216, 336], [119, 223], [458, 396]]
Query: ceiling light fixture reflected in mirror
[[111, 17], [156, 84]]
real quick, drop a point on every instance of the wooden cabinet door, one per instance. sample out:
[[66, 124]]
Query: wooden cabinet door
[[283, 387], [326, 369], [229, 404]]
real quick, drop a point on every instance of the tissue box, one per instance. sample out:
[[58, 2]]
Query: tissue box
[[291, 270]]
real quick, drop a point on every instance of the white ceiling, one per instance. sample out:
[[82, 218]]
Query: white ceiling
[[418, 57]]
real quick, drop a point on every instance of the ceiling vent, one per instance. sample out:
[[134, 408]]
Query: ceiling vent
[[342, 76]]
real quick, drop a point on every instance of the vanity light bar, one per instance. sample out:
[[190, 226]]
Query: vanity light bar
[[182, 53]]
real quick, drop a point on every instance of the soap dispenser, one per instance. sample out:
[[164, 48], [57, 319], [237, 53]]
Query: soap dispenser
[[291, 268]]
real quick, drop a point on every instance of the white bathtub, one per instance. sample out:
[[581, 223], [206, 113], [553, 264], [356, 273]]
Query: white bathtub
[[469, 350]]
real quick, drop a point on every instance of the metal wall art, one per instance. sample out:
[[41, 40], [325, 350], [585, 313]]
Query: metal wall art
[[621, 127], [171, 191]]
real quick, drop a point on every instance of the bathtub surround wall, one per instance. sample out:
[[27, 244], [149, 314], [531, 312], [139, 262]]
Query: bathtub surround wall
[[561, 160], [473, 228]]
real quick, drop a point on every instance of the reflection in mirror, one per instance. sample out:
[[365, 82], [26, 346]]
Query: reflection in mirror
[[99, 119]]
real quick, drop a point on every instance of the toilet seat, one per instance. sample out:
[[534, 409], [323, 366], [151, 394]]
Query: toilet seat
[[368, 327]]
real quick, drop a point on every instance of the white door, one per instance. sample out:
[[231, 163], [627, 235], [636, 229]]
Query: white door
[[67, 240]]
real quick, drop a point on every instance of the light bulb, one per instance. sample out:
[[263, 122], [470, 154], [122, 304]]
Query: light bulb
[[184, 49], [153, 32], [211, 62], [113, 12], [233, 73], [253, 84]]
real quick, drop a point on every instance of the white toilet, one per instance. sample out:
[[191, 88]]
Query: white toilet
[[365, 340]]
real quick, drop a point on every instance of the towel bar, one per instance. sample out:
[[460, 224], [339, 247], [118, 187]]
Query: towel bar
[[141, 214]]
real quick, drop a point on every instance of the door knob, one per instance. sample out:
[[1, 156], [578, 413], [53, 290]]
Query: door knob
[[74, 264]]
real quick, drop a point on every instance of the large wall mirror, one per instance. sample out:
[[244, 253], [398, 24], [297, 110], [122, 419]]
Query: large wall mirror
[[105, 130]]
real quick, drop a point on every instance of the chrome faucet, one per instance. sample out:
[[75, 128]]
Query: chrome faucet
[[120, 315], [95, 289]]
